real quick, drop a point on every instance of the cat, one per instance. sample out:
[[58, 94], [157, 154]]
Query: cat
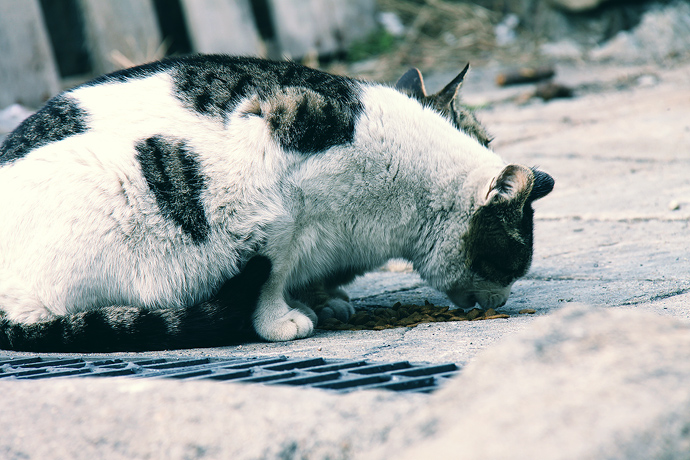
[[144, 191]]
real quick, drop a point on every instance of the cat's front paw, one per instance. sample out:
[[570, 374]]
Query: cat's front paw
[[335, 308], [291, 325], [297, 305]]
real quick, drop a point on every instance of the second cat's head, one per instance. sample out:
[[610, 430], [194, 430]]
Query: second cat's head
[[481, 264]]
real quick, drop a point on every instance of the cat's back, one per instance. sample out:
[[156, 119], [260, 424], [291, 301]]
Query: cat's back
[[191, 96]]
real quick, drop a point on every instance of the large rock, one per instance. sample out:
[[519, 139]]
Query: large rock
[[588, 22], [663, 34], [583, 383]]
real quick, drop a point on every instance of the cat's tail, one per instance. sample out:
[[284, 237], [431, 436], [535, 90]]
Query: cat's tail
[[225, 320]]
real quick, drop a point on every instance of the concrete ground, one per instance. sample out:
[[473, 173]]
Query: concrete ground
[[613, 234]]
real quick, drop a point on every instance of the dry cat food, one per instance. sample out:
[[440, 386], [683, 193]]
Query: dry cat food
[[400, 315]]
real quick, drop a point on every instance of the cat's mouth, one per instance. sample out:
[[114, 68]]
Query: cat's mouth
[[493, 298]]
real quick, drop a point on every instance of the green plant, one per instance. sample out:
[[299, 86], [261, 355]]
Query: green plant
[[378, 42]]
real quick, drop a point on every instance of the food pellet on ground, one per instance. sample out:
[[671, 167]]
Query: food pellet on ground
[[400, 315]]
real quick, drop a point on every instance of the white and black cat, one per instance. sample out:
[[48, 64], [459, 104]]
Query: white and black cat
[[168, 205]]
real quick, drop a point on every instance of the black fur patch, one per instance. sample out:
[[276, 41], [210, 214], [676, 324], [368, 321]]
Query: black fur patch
[[60, 118], [499, 241], [173, 174], [323, 107], [224, 320], [306, 122]]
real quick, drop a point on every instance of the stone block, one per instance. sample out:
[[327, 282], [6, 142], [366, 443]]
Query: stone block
[[121, 33], [323, 26], [28, 72], [222, 26]]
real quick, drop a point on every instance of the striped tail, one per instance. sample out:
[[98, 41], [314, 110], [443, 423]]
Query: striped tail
[[224, 320]]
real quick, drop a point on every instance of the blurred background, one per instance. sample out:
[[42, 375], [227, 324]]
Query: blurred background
[[50, 45]]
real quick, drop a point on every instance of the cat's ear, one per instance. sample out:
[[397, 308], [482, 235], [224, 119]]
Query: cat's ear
[[412, 83], [519, 185], [513, 184], [444, 97], [543, 184]]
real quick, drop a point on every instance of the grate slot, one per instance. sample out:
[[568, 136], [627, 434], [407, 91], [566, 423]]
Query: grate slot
[[189, 374], [297, 364], [177, 364], [337, 367], [76, 365], [230, 375], [24, 373], [406, 385], [45, 375], [378, 368], [257, 362], [427, 370], [56, 363], [356, 382], [269, 378], [112, 366], [308, 380], [18, 361], [115, 373]]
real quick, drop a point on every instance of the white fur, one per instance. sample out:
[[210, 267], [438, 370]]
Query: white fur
[[80, 229]]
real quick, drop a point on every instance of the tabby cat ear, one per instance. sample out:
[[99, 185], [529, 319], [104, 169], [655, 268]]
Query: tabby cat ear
[[444, 97], [513, 183], [412, 83], [520, 185]]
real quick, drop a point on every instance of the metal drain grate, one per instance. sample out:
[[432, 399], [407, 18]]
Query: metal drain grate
[[336, 375]]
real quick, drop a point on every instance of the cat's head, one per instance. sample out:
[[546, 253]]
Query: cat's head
[[496, 247], [447, 102]]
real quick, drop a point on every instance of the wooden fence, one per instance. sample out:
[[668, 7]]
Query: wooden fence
[[47, 44]]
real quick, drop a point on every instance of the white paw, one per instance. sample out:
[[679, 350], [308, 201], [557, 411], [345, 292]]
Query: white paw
[[292, 324], [297, 305], [336, 308]]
